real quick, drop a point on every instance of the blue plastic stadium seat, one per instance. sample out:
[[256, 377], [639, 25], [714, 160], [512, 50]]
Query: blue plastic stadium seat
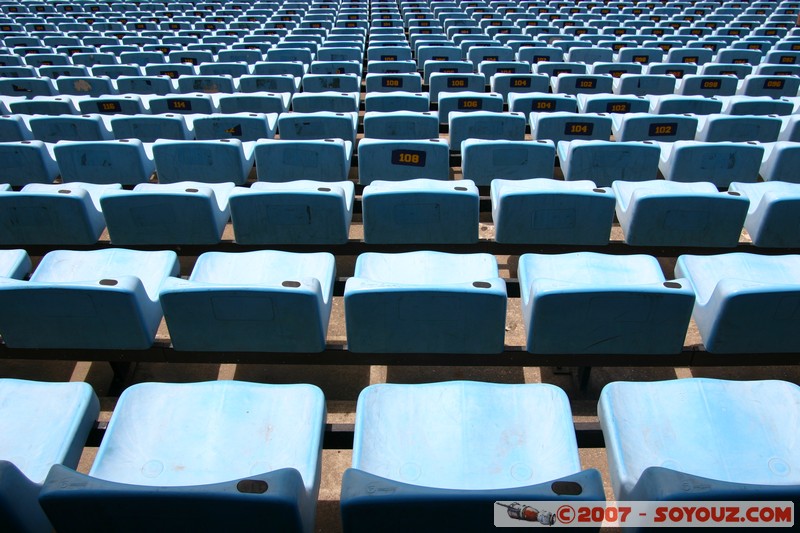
[[561, 126], [276, 83], [149, 128], [382, 83], [86, 55], [319, 125], [589, 54], [43, 424], [547, 211], [397, 101], [756, 105], [85, 85], [153, 471], [26, 162], [605, 161], [191, 57], [644, 84], [340, 53], [425, 446], [208, 84], [612, 103], [401, 125], [142, 58], [485, 125], [437, 52], [176, 213], [538, 54], [775, 70], [184, 104], [169, 70], [719, 162], [259, 102], [104, 162], [28, 87], [102, 299], [698, 56], [478, 54], [772, 219], [714, 454], [127, 104], [263, 301], [391, 67], [226, 67], [643, 55], [647, 126], [7, 59], [421, 211], [14, 263], [467, 102], [59, 71], [392, 160], [543, 102], [442, 82], [773, 86], [780, 162], [11, 71], [739, 56], [389, 53], [160, 85], [491, 68], [317, 83], [705, 85], [782, 57], [679, 104], [485, 160], [217, 161], [616, 70], [668, 213], [738, 128], [68, 213], [241, 126], [269, 68], [401, 303], [332, 101], [69, 128], [298, 212], [505, 83], [582, 83], [555, 69], [789, 43], [284, 160], [44, 60], [624, 303], [45, 105], [745, 302], [350, 22], [338, 68], [790, 129], [726, 69]]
